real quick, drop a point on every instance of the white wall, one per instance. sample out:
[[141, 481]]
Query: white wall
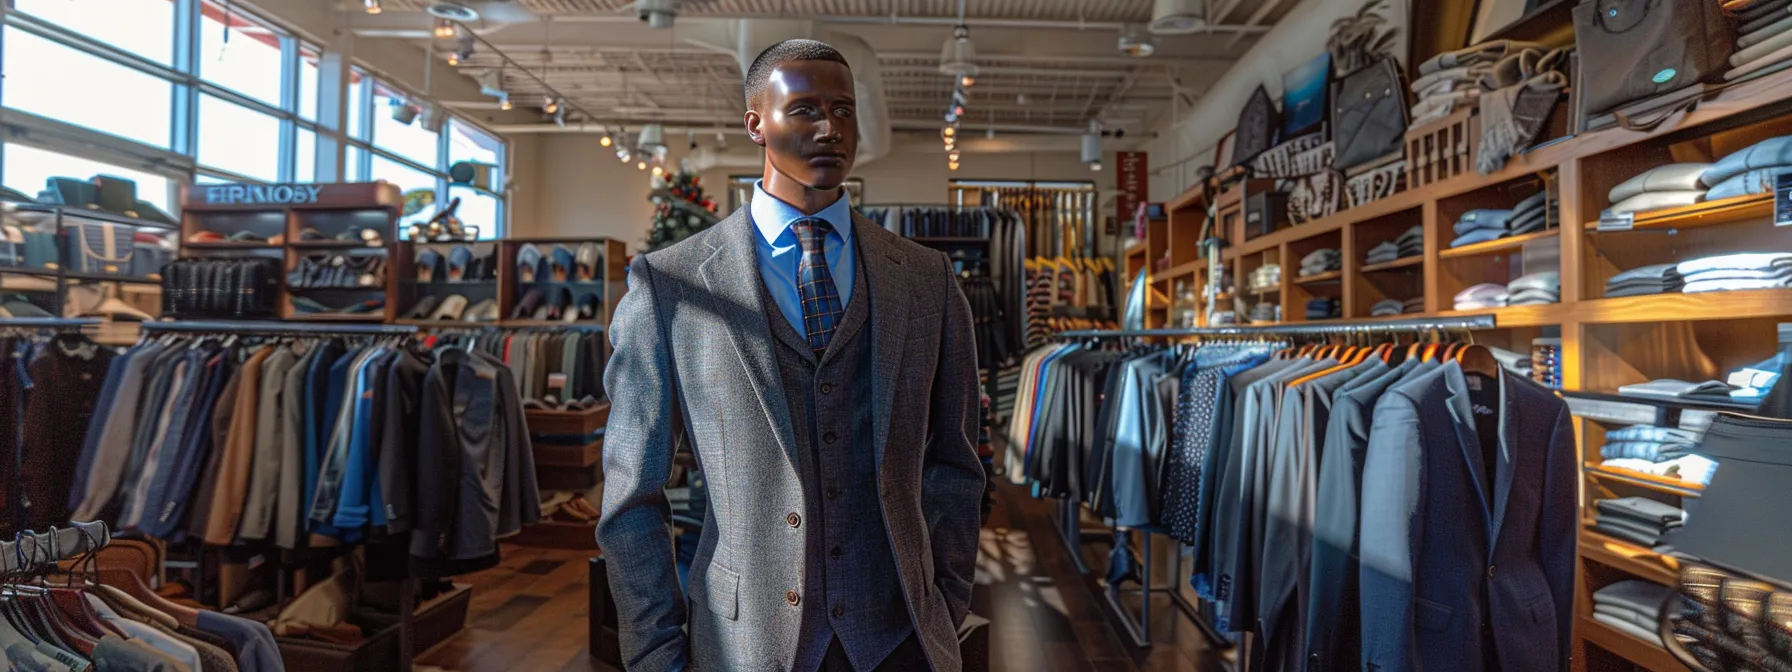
[[1298, 38]]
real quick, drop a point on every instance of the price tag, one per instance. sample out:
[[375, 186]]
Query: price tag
[[1782, 199], [1616, 221]]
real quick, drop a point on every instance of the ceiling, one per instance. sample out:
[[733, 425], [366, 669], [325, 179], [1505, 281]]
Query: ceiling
[[1047, 66]]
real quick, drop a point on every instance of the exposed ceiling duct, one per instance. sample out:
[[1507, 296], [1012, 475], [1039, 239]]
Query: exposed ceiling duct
[[468, 11], [1178, 17]]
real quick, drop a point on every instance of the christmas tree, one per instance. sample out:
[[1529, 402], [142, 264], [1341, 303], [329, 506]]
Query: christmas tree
[[680, 209]]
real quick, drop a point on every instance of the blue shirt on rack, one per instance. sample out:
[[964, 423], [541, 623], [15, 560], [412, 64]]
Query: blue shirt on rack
[[779, 252]]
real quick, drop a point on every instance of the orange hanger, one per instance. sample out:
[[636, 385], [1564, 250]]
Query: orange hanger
[[1478, 359]]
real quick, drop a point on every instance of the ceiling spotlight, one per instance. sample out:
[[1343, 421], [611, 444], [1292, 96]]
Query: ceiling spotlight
[[653, 137], [372, 6], [551, 106], [606, 140], [453, 59], [952, 156], [1135, 42], [957, 110], [641, 165], [444, 29], [1092, 147], [721, 139], [659, 172], [949, 131], [690, 134], [504, 102], [622, 154], [463, 50], [952, 165], [967, 80]]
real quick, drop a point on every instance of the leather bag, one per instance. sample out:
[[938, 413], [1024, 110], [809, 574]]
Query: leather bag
[[1631, 50], [1369, 115], [100, 247], [1257, 125]]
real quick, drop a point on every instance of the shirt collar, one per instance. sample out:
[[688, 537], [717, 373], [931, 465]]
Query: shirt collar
[[773, 217]]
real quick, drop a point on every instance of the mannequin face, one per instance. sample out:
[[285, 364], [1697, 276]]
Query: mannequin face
[[808, 124]]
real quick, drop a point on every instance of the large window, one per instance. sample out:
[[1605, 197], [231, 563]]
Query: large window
[[203, 91]]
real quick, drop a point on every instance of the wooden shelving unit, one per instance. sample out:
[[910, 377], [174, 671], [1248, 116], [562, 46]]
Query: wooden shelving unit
[[1604, 343]]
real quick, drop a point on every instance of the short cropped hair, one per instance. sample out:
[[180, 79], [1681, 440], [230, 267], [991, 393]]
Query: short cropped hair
[[788, 51]]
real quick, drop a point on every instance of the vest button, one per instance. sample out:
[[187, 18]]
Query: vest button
[[835, 554], [827, 388], [792, 598], [828, 437], [839, 611], [793, 519]]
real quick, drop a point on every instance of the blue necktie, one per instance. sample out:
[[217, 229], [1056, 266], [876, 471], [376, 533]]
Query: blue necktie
[[815, 284]]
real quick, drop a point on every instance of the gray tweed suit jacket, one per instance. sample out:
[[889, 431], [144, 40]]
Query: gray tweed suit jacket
[[694, 362]]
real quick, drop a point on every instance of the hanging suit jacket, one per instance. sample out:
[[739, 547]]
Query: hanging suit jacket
[[1461, 569], [694, 360]]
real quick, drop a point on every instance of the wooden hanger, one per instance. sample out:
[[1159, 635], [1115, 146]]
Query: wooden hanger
[[130, 584], [1478, 359]]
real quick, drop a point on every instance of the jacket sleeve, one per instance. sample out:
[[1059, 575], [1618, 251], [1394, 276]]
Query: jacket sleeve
[[1558, 531], [638, 447], [952, 478], [1390, 497]]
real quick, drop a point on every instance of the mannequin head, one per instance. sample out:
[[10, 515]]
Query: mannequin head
[[800, 108]]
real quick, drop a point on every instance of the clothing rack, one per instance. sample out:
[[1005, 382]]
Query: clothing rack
[[49, 324], [34, 551], [278, 328], [1069, 523]]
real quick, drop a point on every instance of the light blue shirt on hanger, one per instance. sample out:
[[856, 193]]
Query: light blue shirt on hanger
[[779, 253]]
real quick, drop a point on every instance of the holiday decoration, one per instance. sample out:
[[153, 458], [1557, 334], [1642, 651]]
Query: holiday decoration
[[680, 209]]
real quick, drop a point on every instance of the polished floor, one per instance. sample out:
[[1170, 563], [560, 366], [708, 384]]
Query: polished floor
[[529, 613]]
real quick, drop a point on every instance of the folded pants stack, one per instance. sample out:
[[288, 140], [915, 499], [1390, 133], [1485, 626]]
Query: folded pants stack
[[1648, 442], [1323, 308], [1760, 270], [1409, 244], [1388, 307], [1655, 279], [1632, 606], [1480, 226], [1321, 261], [1535, 289], [1749, 171], [1669, 186], [1765, 40], [1451, 81], [1484, 295]]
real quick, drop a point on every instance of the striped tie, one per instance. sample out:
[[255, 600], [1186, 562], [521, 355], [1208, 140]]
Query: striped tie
[[821, 301]]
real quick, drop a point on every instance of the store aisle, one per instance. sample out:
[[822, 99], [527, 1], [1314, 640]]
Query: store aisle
[[529, 613]]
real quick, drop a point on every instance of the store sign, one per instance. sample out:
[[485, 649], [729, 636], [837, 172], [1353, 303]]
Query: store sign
[[1134, 183], [1782, 199], [260, 194]]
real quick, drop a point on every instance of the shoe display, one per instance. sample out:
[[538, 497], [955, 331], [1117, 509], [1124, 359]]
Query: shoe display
[[484, 311], [424, 308], [526, 308], [590, 307], [561, 264], [528, 263], [587, 260], [458, 259], [429, 265], [451, 308]]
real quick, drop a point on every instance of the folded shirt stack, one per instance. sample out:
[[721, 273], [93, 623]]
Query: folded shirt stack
[[1534, 289], [1656, 279], [1321, 261], [1669, 388], [1728, 272], [1324, 309], [1648, 442], [1266, 277], [1765, 40], [1479, 226], [1266, 312], [1413, 305], [1385, 308], [1633, 607], [1409, 244], [1669, 186], [1695, 469], [1753, 381], [1452, 80], [1484, 295], [1749, 171], [1637, 519]]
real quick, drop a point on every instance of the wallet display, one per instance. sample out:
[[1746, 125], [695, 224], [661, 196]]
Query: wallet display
[[221, 287]]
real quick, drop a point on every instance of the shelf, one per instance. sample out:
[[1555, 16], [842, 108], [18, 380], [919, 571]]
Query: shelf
[[1552, 17], [1308, 230], [1726, 211], [97, 215], [1135, 249], [1631, 558], [583, 324], [378, 315], [1402, 262], [1644, 654], [1678, 307], [1671, 486], [103, 277], [1686, 404], [335, 245], [1328, 276], [1190, 268], [1516, 316], [444, 324], [1496, 246], [229, 245]]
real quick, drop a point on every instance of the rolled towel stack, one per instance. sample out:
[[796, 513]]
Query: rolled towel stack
[[1669, 186], [1648, 442], [1728, 272], [1656, 279], [1633, 607], [1452, 80], [1535, 289], [1409, 244], [1765, 39], [1321, 261], [1637, 519], [1324, 309], [1484, 295], [1749, 171]]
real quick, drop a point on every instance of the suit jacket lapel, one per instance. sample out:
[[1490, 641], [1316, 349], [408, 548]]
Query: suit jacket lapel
[[732, 276], [1462, 417], [886, 267], [1502, 476]]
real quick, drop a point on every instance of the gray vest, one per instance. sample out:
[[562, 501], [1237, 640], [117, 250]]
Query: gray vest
[[851, 588]]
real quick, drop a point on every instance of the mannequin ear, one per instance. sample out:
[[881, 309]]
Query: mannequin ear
[[753, 132]]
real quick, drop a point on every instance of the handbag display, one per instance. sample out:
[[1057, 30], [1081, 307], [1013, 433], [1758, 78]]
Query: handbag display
[[99, 247], [116, 194], [1636, 49], [1369, 115], [1257, 125]]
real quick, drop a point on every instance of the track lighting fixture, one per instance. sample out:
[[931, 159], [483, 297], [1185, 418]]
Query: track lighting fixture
[[372, 6], [659, 172], [551, 106], [967, 80], [952, 156], [622, 154], [952, 165], [606, 140], [641, 165], [949, 131], [504, 102], [444, 29]]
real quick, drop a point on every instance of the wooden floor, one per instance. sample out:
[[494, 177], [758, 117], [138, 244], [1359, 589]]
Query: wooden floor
[[529, 613]]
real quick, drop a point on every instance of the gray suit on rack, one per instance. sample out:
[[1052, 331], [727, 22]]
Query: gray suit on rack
[[698, 359]]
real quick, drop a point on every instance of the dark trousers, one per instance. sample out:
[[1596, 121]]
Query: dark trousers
[[907, 657]]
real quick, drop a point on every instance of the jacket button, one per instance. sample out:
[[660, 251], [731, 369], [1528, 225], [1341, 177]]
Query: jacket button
[[1490, 571], [792, 598], [827, 388], [839, 611], [833, 493], [828, 437], [793, 519], [835, 554]]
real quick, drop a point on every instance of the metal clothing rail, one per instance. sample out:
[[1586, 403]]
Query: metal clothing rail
[[271, 327], [48, 323], [34, 551], [1466, 323]]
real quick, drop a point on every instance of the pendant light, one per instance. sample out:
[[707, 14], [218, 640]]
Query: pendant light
[[958, 57]]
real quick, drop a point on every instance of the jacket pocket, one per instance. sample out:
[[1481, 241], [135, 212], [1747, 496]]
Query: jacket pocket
[[724, 591], [923, 326], [1431, 615]]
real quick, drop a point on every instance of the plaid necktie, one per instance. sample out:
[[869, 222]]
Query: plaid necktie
[[815, 284]]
